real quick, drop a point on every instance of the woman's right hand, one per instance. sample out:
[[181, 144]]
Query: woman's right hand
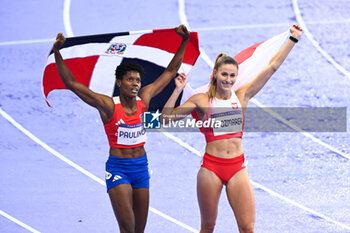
[[181, 81], [296, 31], [60, 39]]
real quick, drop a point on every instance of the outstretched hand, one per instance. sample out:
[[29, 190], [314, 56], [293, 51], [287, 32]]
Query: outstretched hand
[[183, 32], [296, 31], [60, 39], [181, 81]]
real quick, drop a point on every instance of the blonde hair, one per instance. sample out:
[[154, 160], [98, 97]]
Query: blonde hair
[[221, 59]]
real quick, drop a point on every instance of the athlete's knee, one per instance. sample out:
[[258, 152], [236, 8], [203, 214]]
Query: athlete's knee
[[246, 228], [126, 230], [139, 229], [207, 227], [126, 227]]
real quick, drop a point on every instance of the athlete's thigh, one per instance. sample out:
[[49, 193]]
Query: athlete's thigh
[[209, 187], [241, 198], [140, 207], [122, 203]]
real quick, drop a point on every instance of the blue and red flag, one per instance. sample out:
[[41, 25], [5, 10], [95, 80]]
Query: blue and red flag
[[93, 60]]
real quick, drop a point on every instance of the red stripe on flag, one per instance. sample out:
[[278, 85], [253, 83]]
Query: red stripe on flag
[[169, 40], [81, 68], [245, 54]]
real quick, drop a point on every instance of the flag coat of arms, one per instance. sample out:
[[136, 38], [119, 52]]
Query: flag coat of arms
[[93, 60]]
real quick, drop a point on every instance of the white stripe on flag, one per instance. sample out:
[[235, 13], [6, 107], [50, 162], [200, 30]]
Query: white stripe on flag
[[154, 55], [103, 77], [92, 49], [261, 57], [140, 32], [127, 39], [80, 51], [248, 69]]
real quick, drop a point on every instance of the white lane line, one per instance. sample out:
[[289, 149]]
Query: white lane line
[[314, 42], [49, 149], [27, 42], [82, 170], [294, 203], [206, 58], [296, 128], [273, 193], [217, 28], [247, 26], [66, 18], [265, 25], [257, 185], [15, 220], [182, 143], [69, 31], [183, 19], [173, 220]]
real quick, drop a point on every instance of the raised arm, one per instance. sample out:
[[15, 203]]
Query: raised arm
[[193, 103], [103, 103], [252, 88], [153, 89]]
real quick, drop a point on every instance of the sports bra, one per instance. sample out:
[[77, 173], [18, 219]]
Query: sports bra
[[230, 115]]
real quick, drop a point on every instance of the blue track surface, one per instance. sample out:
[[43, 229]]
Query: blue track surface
[[47, 194]]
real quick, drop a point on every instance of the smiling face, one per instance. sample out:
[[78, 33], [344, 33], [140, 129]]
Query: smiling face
[[225, 75], [130, 84]]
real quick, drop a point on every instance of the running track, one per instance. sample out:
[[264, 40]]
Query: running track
[[52, 160]]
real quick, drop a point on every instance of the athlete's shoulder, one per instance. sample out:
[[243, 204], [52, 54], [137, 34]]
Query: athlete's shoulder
[[203, 97]]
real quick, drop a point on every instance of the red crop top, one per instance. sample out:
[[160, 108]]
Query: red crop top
[[125, 131], [230, 115]]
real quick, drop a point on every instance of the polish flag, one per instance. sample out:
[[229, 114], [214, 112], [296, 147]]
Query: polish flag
[[251, 62]]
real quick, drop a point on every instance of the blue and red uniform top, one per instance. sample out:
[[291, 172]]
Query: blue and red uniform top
[[125, 131]]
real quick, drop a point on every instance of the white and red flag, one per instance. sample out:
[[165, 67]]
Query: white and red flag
[[251, 62], [93, 59]]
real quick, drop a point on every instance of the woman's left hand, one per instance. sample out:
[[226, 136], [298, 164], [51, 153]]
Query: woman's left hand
[[181, 81], [296, 31], [60, 39], [183, 32]]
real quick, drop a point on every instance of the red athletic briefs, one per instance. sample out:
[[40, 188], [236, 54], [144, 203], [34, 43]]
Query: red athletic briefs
[[224, 168]]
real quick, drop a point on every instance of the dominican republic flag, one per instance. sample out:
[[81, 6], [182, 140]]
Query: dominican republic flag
[[93, 60], [251, 62]]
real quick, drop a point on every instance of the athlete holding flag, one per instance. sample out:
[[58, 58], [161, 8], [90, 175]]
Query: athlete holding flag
[[224, 160], [127, 175]]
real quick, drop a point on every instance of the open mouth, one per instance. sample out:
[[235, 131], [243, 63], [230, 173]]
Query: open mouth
[[134, 90], [227, 84]]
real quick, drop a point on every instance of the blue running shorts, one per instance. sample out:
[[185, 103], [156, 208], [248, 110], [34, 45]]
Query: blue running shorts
[[133, 171]]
